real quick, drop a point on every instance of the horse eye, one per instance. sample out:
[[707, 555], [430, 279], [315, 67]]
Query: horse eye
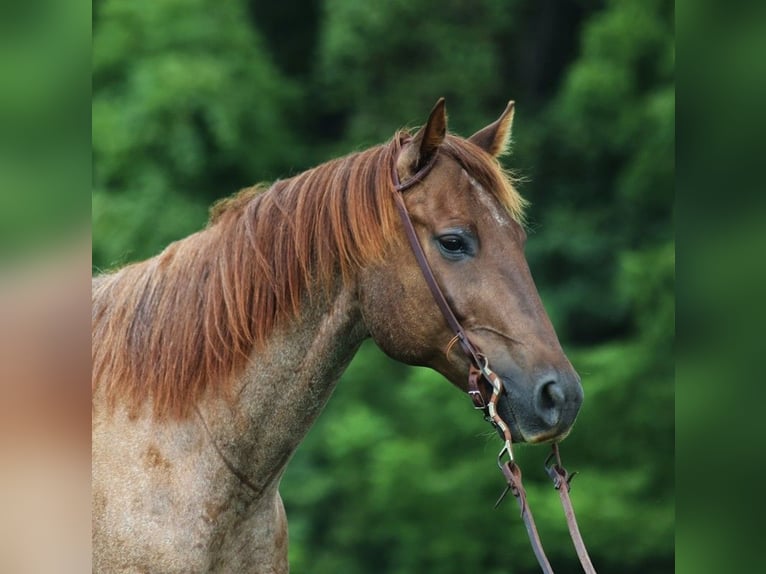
[[452, 243]]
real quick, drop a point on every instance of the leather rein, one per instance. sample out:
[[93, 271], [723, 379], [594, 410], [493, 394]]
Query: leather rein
[[480, 371]]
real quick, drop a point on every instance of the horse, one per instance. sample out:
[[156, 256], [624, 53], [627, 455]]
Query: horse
[[212, 359]]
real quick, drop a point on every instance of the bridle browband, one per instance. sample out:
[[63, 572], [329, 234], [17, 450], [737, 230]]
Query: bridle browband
[[480, 370]]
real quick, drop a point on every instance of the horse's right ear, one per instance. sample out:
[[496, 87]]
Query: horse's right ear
[[421, 148], [494, 139]]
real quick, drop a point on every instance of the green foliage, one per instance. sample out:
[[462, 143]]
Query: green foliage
[[193, 100], [379, 61], [186, 101], [141, 221], [606, 165]]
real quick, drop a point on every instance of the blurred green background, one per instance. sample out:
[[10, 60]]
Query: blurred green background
[[195, 99]]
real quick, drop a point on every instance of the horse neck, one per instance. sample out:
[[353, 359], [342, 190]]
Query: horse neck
[[286, 385]]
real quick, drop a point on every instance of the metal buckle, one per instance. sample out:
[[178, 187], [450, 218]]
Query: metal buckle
[[478, 399], [505, 450], [556, 471]]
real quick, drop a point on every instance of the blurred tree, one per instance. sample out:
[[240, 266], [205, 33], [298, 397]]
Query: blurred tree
[[604, 169], [187, 106]]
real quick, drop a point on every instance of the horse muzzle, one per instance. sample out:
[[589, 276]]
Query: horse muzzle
[[542, 408]]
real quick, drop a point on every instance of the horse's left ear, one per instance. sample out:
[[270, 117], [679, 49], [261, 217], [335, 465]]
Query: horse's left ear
[[425, 142], [494, 139]]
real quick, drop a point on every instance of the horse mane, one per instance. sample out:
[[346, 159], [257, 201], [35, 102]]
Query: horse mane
[[171, 327]]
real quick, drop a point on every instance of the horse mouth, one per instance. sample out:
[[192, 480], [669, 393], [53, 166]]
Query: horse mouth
[[549, 437], [505, 411]]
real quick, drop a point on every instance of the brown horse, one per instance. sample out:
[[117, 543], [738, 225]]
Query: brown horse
[[212, 359]]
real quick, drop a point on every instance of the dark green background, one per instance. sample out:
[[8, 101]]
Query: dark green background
[[195, 99]]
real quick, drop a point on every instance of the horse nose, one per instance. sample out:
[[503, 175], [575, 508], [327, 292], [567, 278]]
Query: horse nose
[[556, 399]]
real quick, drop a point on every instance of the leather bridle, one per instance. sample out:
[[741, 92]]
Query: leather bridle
[[479, 371]]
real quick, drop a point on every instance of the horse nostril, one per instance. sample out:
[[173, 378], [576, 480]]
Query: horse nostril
[[549, 399]]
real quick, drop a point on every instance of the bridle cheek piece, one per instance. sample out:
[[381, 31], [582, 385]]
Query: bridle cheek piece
[[479, 374]]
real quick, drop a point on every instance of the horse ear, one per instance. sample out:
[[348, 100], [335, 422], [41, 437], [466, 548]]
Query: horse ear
[[426, 141], [494, 139]]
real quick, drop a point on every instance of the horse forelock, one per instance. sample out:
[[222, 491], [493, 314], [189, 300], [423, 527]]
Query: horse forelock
[[488, 173], [187, 321]]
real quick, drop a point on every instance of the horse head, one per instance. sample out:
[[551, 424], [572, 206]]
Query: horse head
[[468, 220]]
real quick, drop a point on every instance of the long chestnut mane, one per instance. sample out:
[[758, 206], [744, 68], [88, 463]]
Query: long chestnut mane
[[189, 319]]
